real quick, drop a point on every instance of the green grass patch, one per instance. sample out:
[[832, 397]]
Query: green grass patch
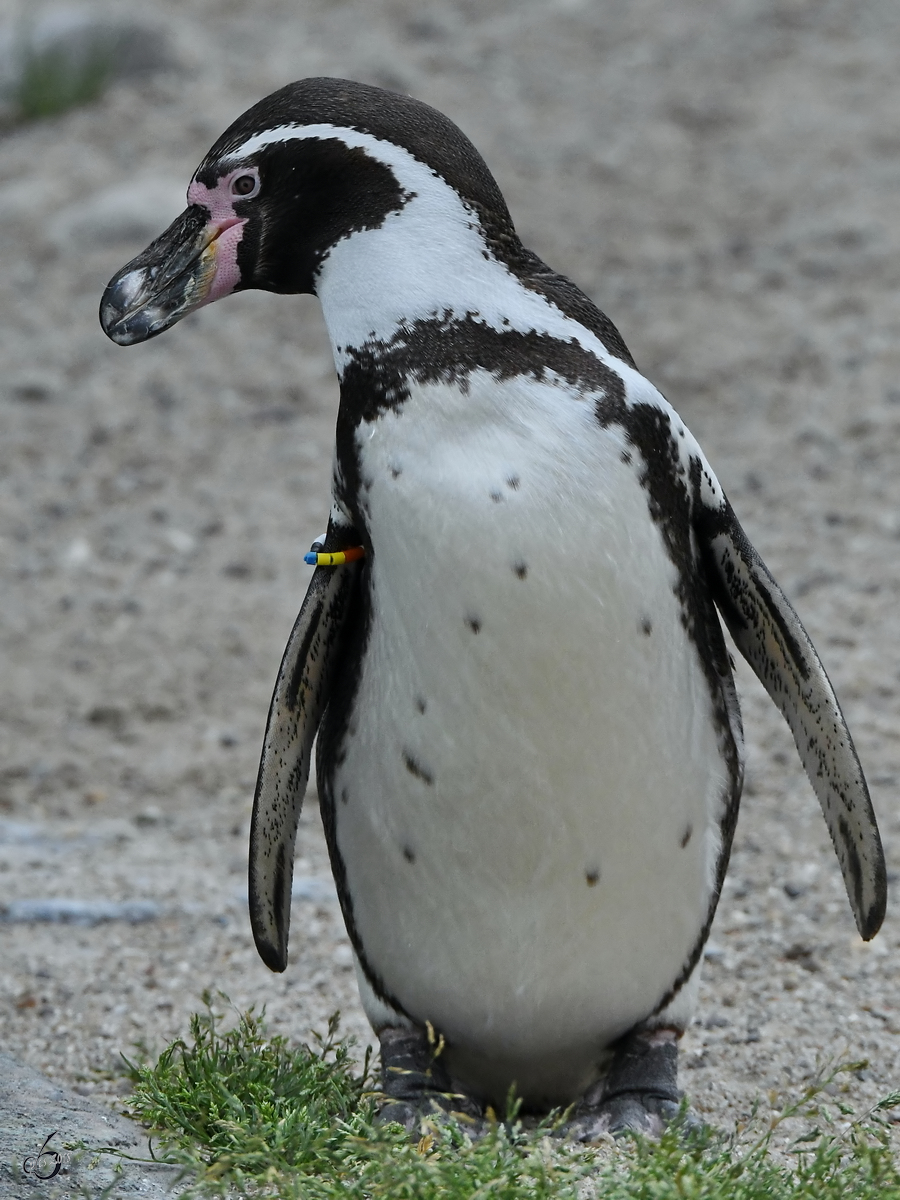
[[247, 1114], [55, 78]]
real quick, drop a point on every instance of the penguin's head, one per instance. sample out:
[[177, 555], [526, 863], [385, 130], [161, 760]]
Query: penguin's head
[[302, 171]]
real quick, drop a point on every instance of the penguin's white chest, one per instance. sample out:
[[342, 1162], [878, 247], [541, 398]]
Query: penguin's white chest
[[531, 783]]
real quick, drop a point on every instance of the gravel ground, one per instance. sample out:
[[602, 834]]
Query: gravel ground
[[38, 1116], [723, 181]]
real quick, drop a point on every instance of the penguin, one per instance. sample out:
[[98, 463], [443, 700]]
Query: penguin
[[511, 652]]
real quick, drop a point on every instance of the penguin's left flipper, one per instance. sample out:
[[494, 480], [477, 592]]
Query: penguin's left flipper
[[301, 693], [771, 637]]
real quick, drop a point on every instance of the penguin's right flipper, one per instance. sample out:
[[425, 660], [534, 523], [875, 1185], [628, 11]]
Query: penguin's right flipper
[[771, 637], [301, 693]]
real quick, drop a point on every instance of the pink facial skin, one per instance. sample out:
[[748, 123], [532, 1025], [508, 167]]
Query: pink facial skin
[[226, 228]]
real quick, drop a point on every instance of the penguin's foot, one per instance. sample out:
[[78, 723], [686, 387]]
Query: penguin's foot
[[640, 1093], [415, 1083]]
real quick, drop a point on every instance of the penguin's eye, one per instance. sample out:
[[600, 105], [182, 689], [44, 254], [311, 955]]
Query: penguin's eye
[[245, 185]]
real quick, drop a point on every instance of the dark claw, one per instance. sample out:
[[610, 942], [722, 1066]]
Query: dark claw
[[416, 1116], [629, 1112]]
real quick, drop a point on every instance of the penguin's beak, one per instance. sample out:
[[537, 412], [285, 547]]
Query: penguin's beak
[[173, 276]]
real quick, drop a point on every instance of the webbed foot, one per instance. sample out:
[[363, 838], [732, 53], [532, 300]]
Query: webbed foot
[[639, 1095], [416, 1085]]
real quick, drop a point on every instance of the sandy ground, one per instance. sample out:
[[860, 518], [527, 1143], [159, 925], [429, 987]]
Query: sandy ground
[[724, 181]]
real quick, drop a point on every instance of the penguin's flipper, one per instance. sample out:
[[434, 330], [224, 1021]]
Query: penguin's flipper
[[301, 693], [771, 637]]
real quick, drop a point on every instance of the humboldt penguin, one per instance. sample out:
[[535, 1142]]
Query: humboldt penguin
[[529, 743]]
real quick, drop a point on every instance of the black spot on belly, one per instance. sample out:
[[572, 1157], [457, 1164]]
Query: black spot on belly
[[344, 796], [415, 768], [521, 569], [592, 876], [496, 497], [686, 836], [420, 704], [409, 854], [513, 482], [474, 623], [396, 472], [626, 457], [646, 626]]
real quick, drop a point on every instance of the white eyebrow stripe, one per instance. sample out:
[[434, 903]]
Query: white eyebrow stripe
[[295, 132]]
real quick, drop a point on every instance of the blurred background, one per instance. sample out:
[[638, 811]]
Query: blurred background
[[722, 179]]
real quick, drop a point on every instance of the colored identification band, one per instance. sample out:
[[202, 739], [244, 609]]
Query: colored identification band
[[337, 559]]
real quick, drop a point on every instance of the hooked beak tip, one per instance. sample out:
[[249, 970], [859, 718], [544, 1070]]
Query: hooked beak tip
[[121, 321]]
